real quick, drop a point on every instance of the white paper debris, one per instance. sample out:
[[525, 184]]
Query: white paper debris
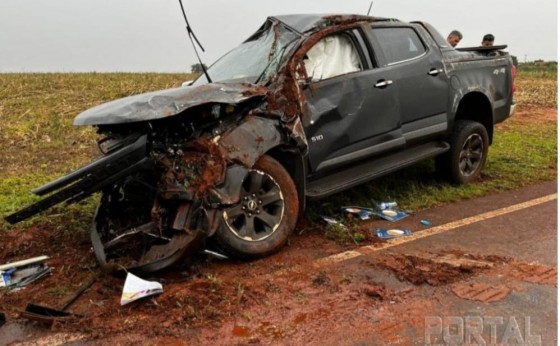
[[136, 288]]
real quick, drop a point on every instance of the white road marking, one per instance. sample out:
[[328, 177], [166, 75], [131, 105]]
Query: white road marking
[[364, 250]]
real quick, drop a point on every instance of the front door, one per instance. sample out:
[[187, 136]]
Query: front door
[[354, 108]]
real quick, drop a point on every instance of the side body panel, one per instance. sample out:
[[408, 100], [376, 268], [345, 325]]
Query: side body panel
[[423, 86]]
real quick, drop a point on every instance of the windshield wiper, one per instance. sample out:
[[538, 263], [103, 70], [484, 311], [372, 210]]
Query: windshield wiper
[[191, 37]]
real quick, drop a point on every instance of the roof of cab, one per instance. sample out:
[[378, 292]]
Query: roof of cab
[[306, 22]]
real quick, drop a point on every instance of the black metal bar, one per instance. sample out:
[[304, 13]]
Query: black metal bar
[[136, 150], [95, 178]]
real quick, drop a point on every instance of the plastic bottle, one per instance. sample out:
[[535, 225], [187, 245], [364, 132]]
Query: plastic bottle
[[387, 205]]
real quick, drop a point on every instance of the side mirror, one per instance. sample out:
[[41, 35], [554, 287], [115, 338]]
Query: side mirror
[[187, 83]]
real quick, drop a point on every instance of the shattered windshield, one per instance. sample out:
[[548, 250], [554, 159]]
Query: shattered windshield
[[255, 59]]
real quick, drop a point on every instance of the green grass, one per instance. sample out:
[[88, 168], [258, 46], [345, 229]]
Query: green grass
[[39, 143], [534, 70]]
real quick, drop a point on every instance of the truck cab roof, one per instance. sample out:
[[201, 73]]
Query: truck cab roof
[[309, 22]]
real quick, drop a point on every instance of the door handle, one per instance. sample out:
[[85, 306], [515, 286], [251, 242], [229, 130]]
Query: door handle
[[435, 71], [383, 83]]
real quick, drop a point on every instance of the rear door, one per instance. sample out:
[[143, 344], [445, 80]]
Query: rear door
[[354, 108], [417, 70]]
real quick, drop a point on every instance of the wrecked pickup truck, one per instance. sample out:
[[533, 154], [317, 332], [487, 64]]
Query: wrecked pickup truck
[[308, 106]]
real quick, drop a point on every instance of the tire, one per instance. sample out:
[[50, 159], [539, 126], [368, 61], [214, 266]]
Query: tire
[[465, 159], [265, 216]]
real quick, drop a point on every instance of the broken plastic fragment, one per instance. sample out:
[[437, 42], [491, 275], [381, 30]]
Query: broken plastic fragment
[[391, 215], [17, 278], [215, 254], [362, 213], [24, 263], [6, 277], [330, 221], [136, 288], [391, 233], [426, 223]]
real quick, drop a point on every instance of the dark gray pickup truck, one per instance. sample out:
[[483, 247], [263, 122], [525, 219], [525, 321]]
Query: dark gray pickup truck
[[308, 106]]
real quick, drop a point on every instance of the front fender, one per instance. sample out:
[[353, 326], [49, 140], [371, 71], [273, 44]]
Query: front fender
[[248, 141], [243, 145]]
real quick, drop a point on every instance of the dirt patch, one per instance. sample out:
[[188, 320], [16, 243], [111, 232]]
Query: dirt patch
[[481, 292], [534, 273], [432, 270], [198, 298], [532, 114]]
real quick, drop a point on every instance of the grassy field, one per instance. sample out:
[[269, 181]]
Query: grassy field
[[39, 143]]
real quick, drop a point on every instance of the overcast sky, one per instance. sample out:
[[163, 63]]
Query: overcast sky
[[150, 35]]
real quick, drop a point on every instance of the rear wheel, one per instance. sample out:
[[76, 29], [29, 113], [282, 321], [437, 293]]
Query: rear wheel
[[464, 161], [266, 214]]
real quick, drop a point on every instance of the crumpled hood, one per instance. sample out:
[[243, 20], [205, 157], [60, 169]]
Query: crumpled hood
[[165, 103]]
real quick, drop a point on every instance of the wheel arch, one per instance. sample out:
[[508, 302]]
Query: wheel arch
[[477, 107], [257, 136], [292, 160]]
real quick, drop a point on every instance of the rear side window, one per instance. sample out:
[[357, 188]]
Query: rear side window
[[399, 44]]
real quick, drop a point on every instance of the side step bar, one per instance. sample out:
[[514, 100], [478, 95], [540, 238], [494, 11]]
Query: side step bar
[[366, 171]]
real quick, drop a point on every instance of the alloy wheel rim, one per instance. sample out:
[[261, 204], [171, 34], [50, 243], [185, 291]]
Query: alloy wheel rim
[[260, 209], [471, 154]]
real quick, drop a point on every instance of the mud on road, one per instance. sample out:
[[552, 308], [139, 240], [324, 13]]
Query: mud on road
[[315, 291]]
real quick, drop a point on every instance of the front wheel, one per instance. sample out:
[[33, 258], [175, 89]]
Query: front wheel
[[266, 214], [465, 159]]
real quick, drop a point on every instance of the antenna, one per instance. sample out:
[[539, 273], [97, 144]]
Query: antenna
[[193, 38], [369, 10]]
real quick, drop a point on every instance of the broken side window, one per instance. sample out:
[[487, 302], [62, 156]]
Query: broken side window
[[332, 56]]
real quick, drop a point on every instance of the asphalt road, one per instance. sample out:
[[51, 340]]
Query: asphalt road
[[508, 298]]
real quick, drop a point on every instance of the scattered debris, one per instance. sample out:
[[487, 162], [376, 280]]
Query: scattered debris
[[391, 215], [17, 275], [136, 288], [48, 315], [384, 233], [16, 279], [361, 213], [387, 205], [215, 254], [23, 263], [332, 222], [426, 223]]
